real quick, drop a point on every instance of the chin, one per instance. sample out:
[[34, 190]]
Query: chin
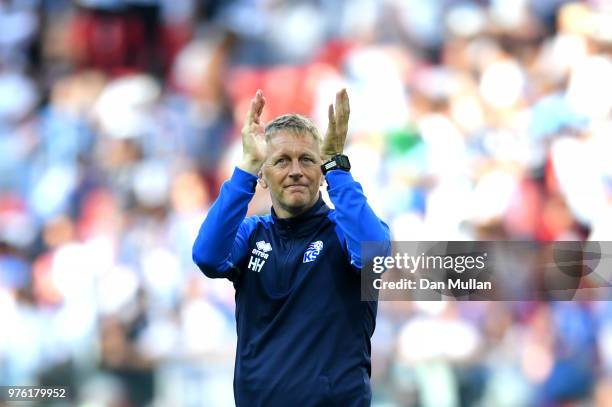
[[297, 203]]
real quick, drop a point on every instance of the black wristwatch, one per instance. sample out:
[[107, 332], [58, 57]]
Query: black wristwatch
[[337, 162]]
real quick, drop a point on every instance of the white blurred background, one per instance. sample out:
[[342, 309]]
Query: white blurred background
[[119, 121]]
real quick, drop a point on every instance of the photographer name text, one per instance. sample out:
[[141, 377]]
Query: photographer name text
[[427, 284]]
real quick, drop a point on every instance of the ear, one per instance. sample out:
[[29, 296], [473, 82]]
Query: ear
[[261, 180]]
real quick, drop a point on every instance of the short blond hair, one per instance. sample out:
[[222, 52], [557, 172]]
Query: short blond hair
[[295, 123]]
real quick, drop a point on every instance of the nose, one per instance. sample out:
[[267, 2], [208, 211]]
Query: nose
[[295, 171]]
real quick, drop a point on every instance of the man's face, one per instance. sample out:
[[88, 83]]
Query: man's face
[[292, 172]]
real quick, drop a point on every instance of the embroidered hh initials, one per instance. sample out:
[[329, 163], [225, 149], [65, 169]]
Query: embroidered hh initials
[[255, 263]]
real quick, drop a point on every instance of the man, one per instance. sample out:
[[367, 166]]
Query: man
[[303, 332]]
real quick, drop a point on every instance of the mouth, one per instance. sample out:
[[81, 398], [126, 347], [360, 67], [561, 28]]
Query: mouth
[[296, 187]]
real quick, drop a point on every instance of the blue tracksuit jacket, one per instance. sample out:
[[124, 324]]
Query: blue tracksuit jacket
[[303, 332]]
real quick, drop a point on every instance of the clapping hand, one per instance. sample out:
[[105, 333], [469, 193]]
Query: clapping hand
[[337, 129], [253, 140]]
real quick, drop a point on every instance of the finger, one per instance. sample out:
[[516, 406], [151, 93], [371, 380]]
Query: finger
[[345, 102], [258, 106], [331, 116], [255, 107], [250, 113], [342, 105]]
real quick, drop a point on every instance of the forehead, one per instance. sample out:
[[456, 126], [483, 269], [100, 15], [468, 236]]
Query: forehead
[[291, 142]]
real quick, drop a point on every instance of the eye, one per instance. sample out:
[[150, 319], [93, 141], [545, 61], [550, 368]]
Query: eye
[[308, 160], [281, 161]]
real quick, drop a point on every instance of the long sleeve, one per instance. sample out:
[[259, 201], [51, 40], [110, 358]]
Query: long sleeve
[[222, 239], [357, 221]]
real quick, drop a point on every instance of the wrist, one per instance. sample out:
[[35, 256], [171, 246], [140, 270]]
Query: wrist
[[250, 165], [336, 162], [327, 155]]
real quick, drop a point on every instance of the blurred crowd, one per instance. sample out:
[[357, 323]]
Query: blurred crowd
[[470, 119]]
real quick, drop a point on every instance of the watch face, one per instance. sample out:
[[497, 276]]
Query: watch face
[[343, 162]]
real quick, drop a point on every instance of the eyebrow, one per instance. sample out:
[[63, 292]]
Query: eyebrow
[[284, 154]]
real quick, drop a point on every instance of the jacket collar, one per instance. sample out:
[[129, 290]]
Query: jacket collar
[[304, 223]]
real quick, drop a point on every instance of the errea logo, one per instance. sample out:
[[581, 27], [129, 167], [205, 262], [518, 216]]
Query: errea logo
[[259, 255], [263, 246], [261, 249]]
